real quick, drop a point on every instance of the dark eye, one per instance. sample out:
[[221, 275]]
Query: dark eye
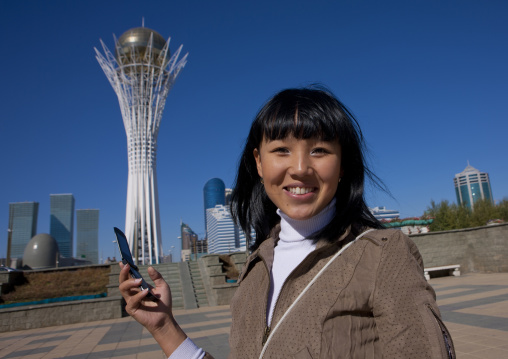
[[280, 150], [320, 150]]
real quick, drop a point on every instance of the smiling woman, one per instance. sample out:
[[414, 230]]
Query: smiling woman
[[314, 131], [300, 176], [324, 280]]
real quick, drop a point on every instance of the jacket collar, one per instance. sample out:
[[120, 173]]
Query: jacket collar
[[266, 250]]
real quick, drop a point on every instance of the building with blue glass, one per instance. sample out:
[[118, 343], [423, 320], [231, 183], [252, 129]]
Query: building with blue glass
[[87, 235], [61, 225], [472, 185], [214, 193], [22, 227]]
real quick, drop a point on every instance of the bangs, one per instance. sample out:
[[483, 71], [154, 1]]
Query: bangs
[[301, 122]]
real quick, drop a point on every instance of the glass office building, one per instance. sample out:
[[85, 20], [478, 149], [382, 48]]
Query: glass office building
[[214, 193], [61, 225], [22, 226], [472, 185], [87, 235], [223, 235]]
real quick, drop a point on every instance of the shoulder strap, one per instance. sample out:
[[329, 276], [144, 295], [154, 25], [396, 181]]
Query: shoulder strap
[[272, 332]]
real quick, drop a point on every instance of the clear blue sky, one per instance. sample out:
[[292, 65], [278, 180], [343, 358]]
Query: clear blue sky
[[427, 80]]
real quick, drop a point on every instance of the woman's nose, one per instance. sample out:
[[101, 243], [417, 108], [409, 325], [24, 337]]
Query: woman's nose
[[300, 165]]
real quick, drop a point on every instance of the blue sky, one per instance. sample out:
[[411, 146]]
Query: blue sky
[[427, 80]]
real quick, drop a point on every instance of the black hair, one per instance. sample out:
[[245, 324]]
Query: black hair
[[304, 113]]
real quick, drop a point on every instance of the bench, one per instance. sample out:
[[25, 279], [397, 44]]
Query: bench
[[452, 270]]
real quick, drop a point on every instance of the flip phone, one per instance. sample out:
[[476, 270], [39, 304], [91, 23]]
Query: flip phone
[[126, 254]]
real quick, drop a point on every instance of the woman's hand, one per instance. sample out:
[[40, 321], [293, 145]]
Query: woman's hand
[[156, 317]]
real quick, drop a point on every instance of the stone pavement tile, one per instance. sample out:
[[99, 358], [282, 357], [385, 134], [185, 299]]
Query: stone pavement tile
[[15, 346], [473, 296], [219, 314], [222, 322], [491, 353], [217, 345], [466, 347], [499, 309], [89, 342], [442, 293], [201, 310], [151, 355], [70, 344], [38, 352], [208, 333]]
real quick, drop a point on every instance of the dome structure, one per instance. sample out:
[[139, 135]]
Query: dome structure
[[131, 47], [41, 252]]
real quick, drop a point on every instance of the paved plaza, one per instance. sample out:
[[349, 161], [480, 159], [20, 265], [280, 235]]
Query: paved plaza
[[474, 307]]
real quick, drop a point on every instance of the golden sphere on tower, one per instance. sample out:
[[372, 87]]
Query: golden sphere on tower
[[132, 45]]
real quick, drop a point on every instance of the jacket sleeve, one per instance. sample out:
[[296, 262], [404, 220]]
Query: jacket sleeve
[[404, 304]]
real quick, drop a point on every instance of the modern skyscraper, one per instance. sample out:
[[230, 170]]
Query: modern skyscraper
[[141, 72], [192, 246], [61, 224], [22, 227], [222, 233], [188, 237], [472, 185], [214, 193], [87, 235]]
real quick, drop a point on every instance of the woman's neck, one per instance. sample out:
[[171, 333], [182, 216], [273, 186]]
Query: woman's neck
[[297, 230]]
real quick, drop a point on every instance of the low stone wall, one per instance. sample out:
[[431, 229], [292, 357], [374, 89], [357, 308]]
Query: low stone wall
[[47, 315], [480, 249], [219, 292]]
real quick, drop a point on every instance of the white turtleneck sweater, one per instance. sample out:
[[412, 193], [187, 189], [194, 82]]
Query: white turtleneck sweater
[[291, 249]]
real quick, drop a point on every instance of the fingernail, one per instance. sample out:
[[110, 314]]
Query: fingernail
[[138, 280]]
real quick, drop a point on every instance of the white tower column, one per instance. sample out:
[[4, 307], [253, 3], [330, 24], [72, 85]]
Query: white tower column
[[142, 73]]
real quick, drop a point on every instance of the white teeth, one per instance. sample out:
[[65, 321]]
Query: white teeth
[[300, 190]]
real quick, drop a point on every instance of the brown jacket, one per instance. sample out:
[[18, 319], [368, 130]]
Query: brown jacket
[[371, 302]]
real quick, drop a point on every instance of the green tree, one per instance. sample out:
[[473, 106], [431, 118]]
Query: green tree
[[452, 216]]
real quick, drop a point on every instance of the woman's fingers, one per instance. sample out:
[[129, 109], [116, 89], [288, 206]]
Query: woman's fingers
[[156, 277], [124, 273]]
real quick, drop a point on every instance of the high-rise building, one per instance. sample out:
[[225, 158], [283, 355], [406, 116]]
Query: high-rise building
[[22, 227], [472, 185], [222, 233], [142, 72], [87, 235], [188, 237], [61, 224], [192, 246], [214, 193]]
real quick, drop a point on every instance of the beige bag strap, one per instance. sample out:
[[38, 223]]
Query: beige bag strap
[[272, 332]]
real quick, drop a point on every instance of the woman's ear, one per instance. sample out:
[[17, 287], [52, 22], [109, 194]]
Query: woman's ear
[[257, 157]]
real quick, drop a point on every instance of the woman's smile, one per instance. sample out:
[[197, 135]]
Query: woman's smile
[[300, 176], [299, 190]]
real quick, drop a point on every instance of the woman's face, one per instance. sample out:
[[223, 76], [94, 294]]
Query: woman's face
[[300, 176]]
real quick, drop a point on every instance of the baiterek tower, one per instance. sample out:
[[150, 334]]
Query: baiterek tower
[[142, 73]]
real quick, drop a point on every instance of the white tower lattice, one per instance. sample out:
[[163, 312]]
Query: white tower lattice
[[142, 74]]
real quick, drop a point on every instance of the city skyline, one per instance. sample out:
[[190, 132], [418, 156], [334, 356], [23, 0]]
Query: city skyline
[[426, 81]]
